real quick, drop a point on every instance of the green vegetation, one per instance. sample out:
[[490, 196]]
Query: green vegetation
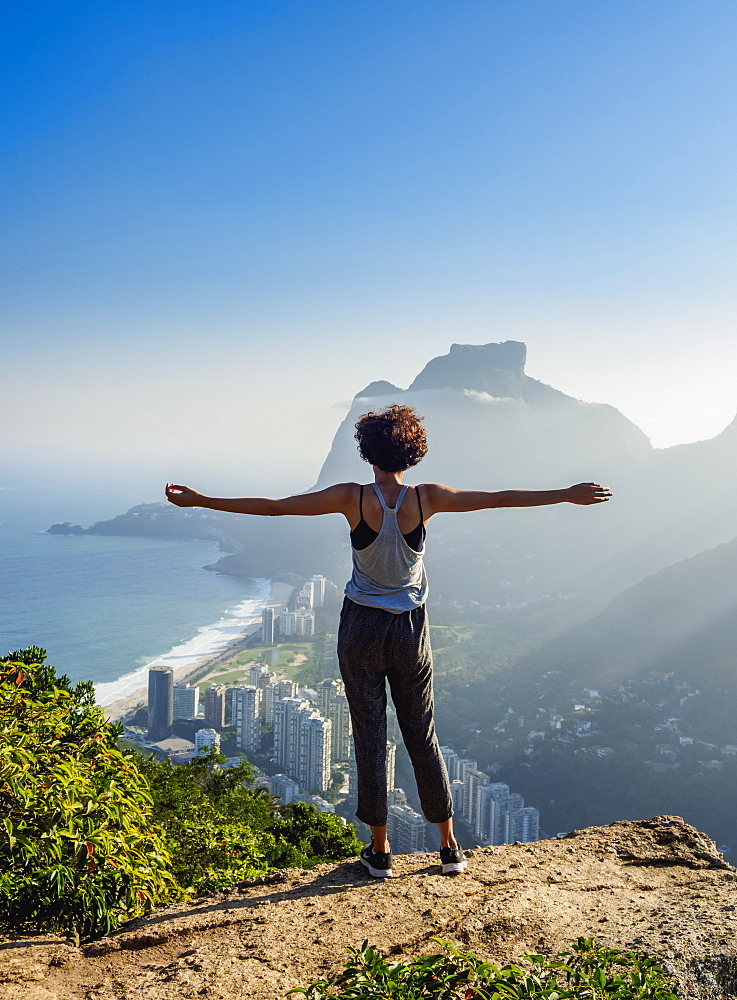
[[585, 971], [92, 834], [220, 831], [78, 847]]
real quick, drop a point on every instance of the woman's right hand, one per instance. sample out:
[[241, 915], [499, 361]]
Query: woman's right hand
[[183, 496]]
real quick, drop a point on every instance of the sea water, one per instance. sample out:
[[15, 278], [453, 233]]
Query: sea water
[[105, 607]]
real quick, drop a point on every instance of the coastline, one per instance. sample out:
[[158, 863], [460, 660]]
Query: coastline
[[132, 689]]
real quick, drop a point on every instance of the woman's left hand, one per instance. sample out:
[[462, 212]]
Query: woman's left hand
[[585, 493]]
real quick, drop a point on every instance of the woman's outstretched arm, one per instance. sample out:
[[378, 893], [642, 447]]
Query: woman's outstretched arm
[[333, 500], [445, 499]]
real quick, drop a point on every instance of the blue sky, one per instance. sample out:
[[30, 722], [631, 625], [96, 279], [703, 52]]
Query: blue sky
[[221, 219]]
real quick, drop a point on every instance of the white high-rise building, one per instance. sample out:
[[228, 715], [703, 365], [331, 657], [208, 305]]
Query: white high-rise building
[[286, 734], [314, 751], [284, 787], [246, 700], [287, 624], [393, 732], [524, 825], [496, 796], [306, 596], [204, 739], [256, 673], [391, 764], [499, 810], [215, 706], [464, 765], [334, 706], [451, 759], [300, 622], [318, 590], [473, 779], [304, 622], [456, 791], [396, 797], [513, 804], [406, 830], [486, 812], [186, 701], [274, 692]]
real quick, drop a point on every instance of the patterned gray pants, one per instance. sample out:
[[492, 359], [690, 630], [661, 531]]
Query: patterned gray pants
[[373, 646]]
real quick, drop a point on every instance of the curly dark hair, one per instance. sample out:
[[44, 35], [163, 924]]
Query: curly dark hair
[[392, 439]]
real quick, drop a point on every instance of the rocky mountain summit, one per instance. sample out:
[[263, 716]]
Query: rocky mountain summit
[[490, 424], [652, 885]]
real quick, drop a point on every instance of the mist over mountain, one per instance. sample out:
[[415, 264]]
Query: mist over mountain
[[679, 618], [491, 426]]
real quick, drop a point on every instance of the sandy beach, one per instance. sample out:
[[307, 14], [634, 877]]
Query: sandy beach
[[192, 666]]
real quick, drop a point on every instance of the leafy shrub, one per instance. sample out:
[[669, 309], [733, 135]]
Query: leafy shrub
[[78, 850], [585, 972], [220, 831], [92, 834]]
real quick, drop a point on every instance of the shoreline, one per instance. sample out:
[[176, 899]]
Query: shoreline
[[277, 597]]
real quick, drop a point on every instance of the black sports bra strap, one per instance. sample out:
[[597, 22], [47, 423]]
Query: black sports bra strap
[[419, 504], [360, 504]]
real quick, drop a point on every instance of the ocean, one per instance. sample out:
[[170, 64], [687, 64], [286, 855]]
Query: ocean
[[105, 608]]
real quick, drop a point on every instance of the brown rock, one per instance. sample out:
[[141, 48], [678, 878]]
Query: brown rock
[[622, 884]]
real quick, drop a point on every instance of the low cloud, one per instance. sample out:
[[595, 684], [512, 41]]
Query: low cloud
[[485, 397]]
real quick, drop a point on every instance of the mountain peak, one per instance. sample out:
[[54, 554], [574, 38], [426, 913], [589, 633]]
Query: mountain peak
[[380, 388], [498, 369]]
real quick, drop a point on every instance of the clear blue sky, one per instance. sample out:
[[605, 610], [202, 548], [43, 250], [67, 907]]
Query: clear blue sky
[[222, 219]]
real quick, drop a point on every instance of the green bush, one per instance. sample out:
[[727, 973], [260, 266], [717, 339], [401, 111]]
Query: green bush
[[92, 834], [585, 972], [219, 831], [78, 849]]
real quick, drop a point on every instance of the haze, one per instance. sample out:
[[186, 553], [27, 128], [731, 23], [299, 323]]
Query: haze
[[221, 221]]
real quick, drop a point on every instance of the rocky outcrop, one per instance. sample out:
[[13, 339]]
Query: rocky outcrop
[[657, 885]]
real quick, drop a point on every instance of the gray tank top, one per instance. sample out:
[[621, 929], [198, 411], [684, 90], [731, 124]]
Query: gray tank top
[[388, 574]]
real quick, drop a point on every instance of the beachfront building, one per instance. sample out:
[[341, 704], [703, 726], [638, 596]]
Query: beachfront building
[[160, 703], [246, 701], [267, 626], [206, 739], [215, 706], [186, 701]]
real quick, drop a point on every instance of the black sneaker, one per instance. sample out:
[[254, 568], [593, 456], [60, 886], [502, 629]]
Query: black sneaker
[[452, 860], [379, 865]]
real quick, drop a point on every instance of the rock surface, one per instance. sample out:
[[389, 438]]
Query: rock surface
[[655, 885]]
